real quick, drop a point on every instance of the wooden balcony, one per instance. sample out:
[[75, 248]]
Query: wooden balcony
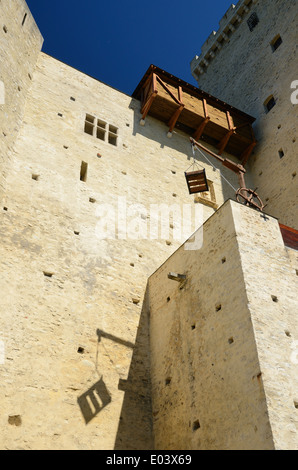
[[198, 114]]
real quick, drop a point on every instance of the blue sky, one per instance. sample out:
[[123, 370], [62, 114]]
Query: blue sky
[[115, 41]]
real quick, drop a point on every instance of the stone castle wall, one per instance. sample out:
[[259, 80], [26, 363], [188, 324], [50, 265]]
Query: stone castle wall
[[223, 349], [73, 322], [20, 44]]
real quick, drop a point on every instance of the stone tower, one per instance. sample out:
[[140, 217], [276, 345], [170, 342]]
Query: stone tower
[[252, 61]]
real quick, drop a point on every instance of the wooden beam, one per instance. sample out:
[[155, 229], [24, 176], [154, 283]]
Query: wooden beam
[[174, 118], [149, 97], [168, 90], [199, 132], [229, 119], [180, 94], [242, 183], [147, 106], [235, 167], [154, 83], [247, 153], [205, 107], [225, 140]]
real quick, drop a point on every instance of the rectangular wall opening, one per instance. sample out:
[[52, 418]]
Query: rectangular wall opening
[[281, 153], [253, 21], [113, 135], [101, 129], [89, 128], [269, 103], [113, 139], [84, 171], [24, 19], [100, 133], [101, 124], [277, 41], [90, 118], [89, 124]]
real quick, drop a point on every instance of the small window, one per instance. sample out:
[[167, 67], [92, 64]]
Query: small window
[[196, 425], [100, 133], [269, 103], [89, 124], [89, 128], [252, 21], [113, 131], [277, 41], [84, 170], [101, 124], [281, 153], [48, 274], [90, 118], [24, 19], [101, 129]]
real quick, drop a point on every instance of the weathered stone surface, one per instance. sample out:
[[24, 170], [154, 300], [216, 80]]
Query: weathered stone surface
[[222, 365], [75, 312], [61, 282], [20, 45]]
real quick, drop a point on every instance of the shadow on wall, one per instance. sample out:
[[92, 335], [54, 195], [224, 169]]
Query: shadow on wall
[[135, 425], [94, 400], [158, 131], [98, 397]]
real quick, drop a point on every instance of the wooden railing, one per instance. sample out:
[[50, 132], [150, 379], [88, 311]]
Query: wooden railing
[[290, 236]]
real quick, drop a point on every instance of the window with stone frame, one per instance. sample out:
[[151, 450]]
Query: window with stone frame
[[101, 130]]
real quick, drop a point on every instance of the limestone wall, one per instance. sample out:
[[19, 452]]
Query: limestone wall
[[242, 67], [77, 246], [223, 371], [20, 44], [270, 274], [76, 372]]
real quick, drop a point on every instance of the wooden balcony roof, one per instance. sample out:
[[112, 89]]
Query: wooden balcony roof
[[202, 116]]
